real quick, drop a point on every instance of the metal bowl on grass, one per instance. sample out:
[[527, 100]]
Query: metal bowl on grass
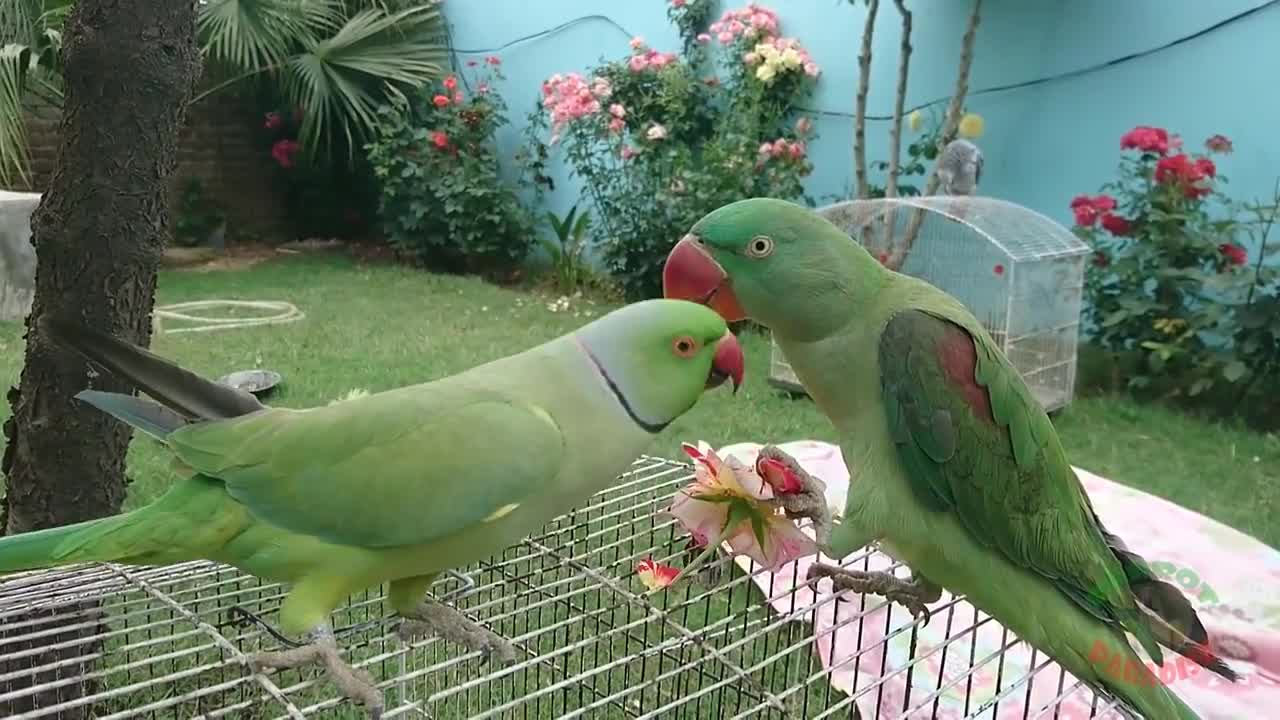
[[256, 382]]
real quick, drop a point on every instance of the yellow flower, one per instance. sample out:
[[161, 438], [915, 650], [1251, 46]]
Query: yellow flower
[[971, 125], [767, 72], [790, 58], [915, 120]]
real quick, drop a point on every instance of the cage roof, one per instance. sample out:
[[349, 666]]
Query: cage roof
[[1019, 232]]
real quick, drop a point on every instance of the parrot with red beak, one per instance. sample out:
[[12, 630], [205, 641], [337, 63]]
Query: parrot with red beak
[[958, 471]]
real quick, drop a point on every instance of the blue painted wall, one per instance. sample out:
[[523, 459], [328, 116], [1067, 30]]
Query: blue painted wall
[[1043, 144]]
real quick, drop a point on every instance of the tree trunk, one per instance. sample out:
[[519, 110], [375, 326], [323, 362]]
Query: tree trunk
[[898, 257], [895, 131], [130, 66]]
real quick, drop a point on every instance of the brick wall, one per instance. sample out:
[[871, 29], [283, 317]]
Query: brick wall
[[219, 145]]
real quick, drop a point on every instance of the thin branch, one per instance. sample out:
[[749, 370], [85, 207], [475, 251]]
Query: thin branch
[[899, 256], [899, 102], [860, 113]]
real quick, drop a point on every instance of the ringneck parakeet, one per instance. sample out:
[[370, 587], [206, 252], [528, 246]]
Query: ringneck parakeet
[[958, 471], [959, 168], [397, 486]]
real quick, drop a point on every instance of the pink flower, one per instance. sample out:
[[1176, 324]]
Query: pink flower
[[726, 37], [637, 63], [617, 110], [440, 101], [811, 69], [803, 125], [678, 3], [703, 38], [637, 42], [797, 150], [493, 60], [440, 140], [1218, 144], [655, 575], [719, 507], [457, 96], [616, 125], [482, 89], [451, 83], [283, 151], [273, 121], [1146, 139], [766, 150], [627, 152], [567, 98], [1233, 254], [750, 58], [780, 478], [656, 132]]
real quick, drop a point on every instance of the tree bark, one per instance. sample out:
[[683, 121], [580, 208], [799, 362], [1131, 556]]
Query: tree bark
[[895, 130], [860, 108], [951, 123], [129, 70]]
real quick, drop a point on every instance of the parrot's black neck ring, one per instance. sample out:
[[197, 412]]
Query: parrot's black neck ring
[[649, 427]]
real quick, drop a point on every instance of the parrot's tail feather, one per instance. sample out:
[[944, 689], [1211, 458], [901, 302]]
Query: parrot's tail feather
[[1193, 649], [53, 547], [174, 387], [153, 419]]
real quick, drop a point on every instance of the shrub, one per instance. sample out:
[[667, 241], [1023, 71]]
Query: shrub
[[1170, 290], [660, 139], [443, 201]]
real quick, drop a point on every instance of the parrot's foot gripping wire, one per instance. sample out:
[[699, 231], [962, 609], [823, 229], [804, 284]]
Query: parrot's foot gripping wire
[[433, 618], [913, 594], [322, 650]]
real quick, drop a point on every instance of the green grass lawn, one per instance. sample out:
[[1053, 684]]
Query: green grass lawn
[[375, 326]]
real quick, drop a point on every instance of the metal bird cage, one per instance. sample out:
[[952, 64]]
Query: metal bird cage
[[111, 641], [1020, 273]]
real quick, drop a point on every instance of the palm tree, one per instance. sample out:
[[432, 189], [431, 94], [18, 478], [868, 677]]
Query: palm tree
[[338, 59]]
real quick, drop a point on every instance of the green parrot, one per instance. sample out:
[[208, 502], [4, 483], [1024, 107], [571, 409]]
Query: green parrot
[[397, 486], [959, 472]]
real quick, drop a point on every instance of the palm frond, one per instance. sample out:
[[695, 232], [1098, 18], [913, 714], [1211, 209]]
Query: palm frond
[[15, 158], [258, 35], [374, 58]]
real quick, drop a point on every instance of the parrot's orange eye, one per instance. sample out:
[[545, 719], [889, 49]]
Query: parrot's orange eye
[[760, 246], [685, 346]]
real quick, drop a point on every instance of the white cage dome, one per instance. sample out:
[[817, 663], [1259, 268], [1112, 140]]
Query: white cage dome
[[1019, 272]]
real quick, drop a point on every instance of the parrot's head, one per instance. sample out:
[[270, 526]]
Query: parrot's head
[[658, 356], [772, 261]]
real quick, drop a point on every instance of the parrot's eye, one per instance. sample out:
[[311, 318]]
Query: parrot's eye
[[760, 246], [685, 346]]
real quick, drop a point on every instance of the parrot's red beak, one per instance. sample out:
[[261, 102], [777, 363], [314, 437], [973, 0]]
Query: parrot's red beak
[[728, 362], [692, 274]]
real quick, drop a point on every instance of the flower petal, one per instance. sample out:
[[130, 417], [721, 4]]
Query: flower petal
[[701, 519], [655, 575]]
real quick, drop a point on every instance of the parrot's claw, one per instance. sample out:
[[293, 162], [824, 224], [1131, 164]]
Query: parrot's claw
[[811, 500], [433, 618], [912, 594], [322, 650]]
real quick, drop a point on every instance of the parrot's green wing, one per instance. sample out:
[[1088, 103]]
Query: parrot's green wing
[[973, 440], [399, 468]]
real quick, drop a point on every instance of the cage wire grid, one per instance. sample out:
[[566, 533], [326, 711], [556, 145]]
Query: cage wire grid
[[113, 641]]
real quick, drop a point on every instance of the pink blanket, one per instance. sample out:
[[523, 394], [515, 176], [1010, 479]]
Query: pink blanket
[[1233, 580]]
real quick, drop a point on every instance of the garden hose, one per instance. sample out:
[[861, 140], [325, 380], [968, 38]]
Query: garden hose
[[284, 312]]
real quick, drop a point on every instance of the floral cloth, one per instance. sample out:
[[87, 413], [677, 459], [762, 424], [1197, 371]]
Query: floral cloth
[[1233, 580]]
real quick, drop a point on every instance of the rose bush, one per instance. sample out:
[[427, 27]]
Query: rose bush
[[661, 138], [443, 201], [1170, 280]]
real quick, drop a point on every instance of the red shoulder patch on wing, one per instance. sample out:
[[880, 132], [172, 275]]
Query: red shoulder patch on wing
[[959, 360]]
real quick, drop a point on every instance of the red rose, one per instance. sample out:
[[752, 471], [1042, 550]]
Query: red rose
[[1233, 254], [440, 101], [1206, 168], [1116, 225], [1175, 168], [283, 151], [1146, 139], [273, 121], [1195, 191], [1219, 144], [1104, 203], [440, 140], [1086, 215], [1087, 209], [451, 83]]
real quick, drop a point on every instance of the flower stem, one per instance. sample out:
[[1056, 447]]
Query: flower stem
[[703, 556]]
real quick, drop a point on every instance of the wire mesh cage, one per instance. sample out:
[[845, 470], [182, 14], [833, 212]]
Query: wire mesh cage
[[111, 641], [1020, 273]]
